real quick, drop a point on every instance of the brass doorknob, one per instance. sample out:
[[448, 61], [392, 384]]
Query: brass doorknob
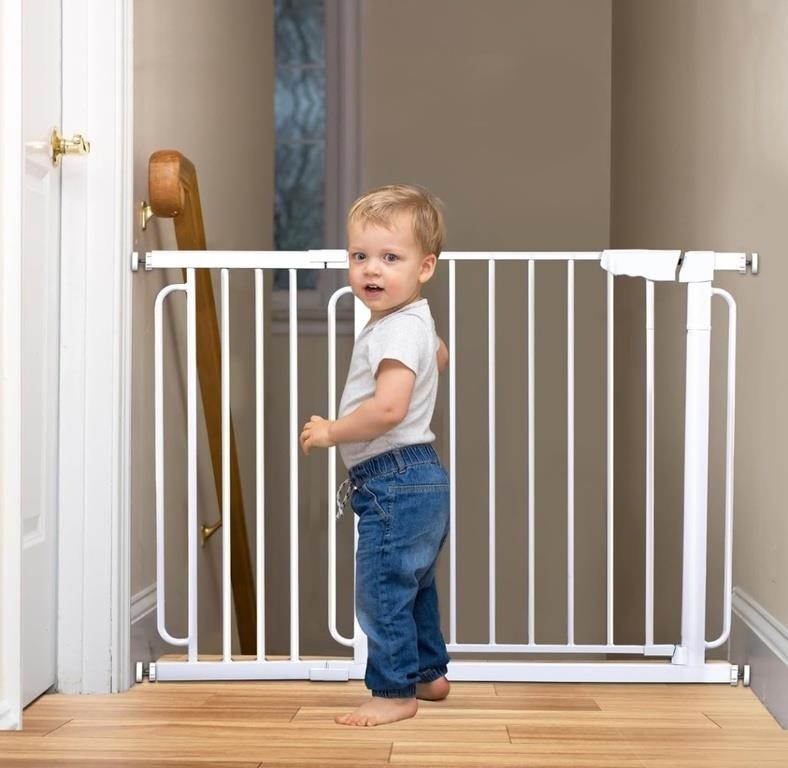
[[60, 146]]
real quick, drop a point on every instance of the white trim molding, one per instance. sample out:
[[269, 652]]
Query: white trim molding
[[771, 632], [93, 551], [9, 717], [10, 363], [760, 640]]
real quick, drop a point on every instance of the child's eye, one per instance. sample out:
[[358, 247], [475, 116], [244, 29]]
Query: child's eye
[[357, 256], [391, 258]]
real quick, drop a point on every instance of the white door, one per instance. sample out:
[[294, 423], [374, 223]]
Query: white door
[[40, 278]]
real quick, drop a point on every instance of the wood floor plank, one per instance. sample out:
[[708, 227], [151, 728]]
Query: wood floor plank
[[520, 755], [87, 761], [141, 712], [195, 748], [234, 733]]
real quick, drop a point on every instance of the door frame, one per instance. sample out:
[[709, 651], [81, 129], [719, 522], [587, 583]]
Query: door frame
[[94, 470], [95, 373]]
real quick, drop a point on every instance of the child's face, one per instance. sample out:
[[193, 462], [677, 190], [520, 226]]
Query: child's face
[[387, 265]]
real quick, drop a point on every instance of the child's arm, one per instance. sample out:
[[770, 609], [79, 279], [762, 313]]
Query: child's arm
[[443, 356], [374, 417]]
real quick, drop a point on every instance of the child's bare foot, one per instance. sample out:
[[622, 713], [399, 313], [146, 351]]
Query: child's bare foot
[[380, 710], [434, 691]]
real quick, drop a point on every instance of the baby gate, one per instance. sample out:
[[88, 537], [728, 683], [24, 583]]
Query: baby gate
[[683, 661]]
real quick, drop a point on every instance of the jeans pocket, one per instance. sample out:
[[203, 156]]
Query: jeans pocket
[[376, 497]]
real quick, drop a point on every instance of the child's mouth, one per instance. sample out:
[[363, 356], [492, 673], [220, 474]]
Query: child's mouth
[[372, 290]]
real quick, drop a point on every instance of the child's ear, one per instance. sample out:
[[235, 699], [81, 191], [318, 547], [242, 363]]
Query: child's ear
[[427, 267]]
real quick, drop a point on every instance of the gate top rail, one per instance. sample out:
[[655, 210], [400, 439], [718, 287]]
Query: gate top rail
[[337, 259]]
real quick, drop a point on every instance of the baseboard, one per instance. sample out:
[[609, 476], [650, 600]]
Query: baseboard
[[145, 643], [758, 639], [8, 719], [143, 602]]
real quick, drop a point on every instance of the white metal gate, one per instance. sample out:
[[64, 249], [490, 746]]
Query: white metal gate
[[682, 661]]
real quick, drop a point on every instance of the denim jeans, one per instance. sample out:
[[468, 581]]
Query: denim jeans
[[402, 501]]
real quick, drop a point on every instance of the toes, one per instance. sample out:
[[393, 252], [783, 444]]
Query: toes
[[350, 719]]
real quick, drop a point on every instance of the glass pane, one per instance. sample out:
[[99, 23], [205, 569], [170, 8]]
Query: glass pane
[[299, 104], [298, 200], [299, 32]]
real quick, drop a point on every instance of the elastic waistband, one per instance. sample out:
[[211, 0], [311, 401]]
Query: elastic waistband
[[398, 458]]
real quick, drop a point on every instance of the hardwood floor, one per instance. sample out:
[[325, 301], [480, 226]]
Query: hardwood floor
[[251, 725]]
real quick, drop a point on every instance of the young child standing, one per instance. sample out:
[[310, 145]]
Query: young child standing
[[400, 491]]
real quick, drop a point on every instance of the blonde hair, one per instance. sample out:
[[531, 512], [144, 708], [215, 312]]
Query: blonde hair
[[426, 210]]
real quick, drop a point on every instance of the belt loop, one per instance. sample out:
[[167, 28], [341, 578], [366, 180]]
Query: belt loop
[[400, 461]]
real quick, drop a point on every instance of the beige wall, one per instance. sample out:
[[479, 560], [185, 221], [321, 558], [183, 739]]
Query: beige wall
[[203, 81], [700, 119], [502, 109]]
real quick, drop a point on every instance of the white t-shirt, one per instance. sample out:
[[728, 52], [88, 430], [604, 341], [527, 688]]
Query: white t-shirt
[[407, 335]]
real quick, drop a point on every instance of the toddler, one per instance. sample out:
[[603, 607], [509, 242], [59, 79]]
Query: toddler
[[400, 491]]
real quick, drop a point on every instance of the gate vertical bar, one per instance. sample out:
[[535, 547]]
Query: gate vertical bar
[[570, 452], [649, 611], [452, 455], [531, 452], [361, 316], [227, 605], [696, 448], [191, 436], [610, 449], [294, 584], [259, 373], [491, 429]]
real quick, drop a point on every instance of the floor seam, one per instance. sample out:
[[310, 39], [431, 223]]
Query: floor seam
[[71, 720], [712, 720]]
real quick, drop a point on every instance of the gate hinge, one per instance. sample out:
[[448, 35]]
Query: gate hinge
[[680, 656]]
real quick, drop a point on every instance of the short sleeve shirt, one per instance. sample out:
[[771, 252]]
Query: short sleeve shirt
[[407, 335]]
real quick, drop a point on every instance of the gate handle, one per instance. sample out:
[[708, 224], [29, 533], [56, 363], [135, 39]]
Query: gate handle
[[332, 464], [158, 374], [729, 433]]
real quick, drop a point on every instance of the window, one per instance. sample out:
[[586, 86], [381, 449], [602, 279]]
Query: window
[[316, 172]]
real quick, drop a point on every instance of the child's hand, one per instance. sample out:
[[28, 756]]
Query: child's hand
[[315, 434]]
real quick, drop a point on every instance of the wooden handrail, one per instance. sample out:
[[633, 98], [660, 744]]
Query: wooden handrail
[[172, 186]]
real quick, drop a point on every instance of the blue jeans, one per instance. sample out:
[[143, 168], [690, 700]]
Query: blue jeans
[[402, 501]]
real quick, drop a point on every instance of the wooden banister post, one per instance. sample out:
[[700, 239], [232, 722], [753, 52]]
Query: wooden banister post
[[172, 186]]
